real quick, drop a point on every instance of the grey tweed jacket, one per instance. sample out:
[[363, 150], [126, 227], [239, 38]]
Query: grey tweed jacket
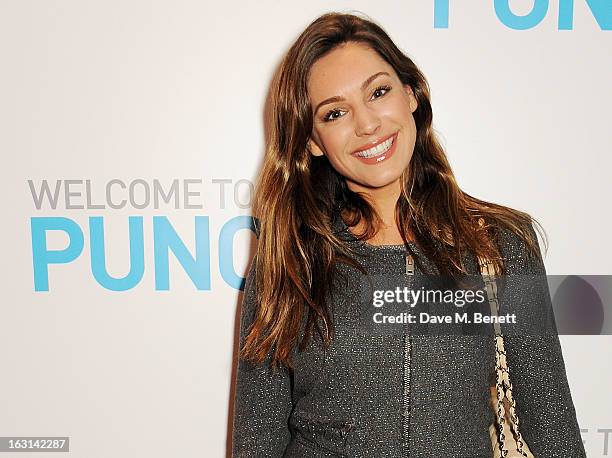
[[424, 396]]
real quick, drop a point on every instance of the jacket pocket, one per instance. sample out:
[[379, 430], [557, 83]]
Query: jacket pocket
[[328, 435]]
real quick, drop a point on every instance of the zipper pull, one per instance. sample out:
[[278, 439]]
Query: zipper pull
[[409, 264]]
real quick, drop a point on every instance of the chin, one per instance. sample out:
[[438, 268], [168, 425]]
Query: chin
[[379, 182]]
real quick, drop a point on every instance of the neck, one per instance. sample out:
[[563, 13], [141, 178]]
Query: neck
[[383, 199]]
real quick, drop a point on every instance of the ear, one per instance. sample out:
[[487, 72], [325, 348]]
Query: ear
[[411, 98], [314, 148]]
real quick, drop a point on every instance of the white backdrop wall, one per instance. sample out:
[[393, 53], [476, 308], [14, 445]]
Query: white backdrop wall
[[114, 105]]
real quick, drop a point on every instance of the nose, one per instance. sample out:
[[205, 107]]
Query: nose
[[367, 121]]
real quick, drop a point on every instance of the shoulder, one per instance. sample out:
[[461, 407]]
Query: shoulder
[[517, 254]]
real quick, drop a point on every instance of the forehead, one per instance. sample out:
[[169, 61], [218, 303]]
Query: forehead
[[344, 69]]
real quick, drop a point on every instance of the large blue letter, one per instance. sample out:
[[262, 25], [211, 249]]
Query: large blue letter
[[226, 249], [98, 255], [165, 238], [601, 10], [41, 257], [440, 14], [533, 18], [566, 15]]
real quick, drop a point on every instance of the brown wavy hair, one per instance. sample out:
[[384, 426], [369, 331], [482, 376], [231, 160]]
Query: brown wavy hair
[[297, 194]]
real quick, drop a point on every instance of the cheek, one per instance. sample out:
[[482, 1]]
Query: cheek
[[400, 109], [336, 141]]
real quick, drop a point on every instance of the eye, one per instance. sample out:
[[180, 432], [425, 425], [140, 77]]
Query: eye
[[332, 115], [380, 91]]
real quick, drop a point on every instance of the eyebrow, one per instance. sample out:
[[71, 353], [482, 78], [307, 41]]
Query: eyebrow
[[337, 98]]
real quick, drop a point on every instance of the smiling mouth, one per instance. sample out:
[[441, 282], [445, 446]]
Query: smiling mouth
[[377, 150]]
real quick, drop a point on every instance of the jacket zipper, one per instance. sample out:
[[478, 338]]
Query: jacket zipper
[[407, 358]]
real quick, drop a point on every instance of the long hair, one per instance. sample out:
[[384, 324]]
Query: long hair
[[297, 194]]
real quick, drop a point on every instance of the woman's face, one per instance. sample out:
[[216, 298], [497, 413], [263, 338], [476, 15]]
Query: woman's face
[[363, 118]]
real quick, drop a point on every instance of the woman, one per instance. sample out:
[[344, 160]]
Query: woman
[[354, 183]]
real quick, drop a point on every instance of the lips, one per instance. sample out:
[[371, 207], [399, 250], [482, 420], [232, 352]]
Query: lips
[[384, 151], [374, 144]]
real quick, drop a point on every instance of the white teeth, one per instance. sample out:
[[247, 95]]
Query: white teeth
[[377, 150]]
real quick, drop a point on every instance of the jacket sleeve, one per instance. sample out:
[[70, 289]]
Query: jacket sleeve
[[547, 417], [262, 402]]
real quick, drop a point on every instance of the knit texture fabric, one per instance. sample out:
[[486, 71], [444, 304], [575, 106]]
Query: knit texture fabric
[[367, 396]]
